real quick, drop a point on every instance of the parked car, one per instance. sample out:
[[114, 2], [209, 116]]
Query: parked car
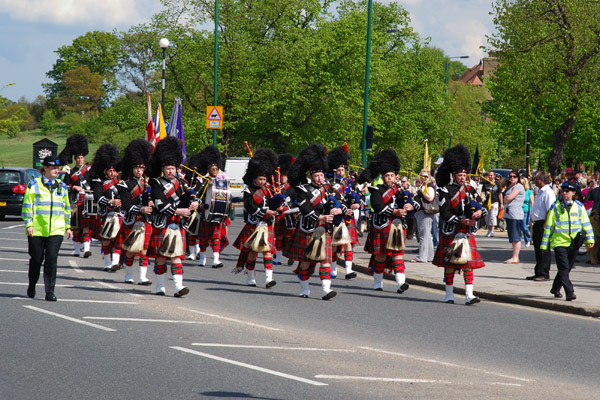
[[235, 168], [13, 184], [501, 172]]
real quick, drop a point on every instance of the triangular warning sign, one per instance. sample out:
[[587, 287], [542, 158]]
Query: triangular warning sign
[[214, 115]]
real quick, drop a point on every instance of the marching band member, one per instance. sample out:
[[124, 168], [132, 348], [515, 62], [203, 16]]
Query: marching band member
[[311, 242], [459, 212], [209, 163], [167, 241], [341, 188], [390, 206], [285, 222], [257, 236], [78, 180], [136, 229], [106, 194]]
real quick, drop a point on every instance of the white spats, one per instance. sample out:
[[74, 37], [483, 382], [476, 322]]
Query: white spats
[[128, 274], [160, 284], [116, 257], [327, 293], [449, 294], [304, 289], [142, 278], [179, 290], [348, 265], [216, 260], [469, 297], [251, 278], [202, 259], [378, 281], [77, 248], [107, 261], [269, 282]]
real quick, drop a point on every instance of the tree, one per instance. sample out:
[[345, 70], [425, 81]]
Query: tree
[[99, 51], [81, 91], [48, 123], [548, 77], [137, 71]]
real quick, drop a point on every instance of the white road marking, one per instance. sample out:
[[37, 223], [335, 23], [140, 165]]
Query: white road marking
[[73, 264], [85, 301], [372, 378], [169, 321], [243, 346], [447, 364], [505, 384], [13, 248], [231, 319], [3, 239], [250, 366], [14, 226], [24, 272], [15, 259], [71, 319], [26, 284], [108, 285]]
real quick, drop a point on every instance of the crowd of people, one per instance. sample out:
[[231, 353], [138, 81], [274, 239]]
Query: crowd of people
[[145, 203]]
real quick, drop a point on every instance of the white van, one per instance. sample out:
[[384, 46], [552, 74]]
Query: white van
[[235, 168]]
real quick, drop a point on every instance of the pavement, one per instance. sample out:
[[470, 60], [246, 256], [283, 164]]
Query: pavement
[[503, 282]]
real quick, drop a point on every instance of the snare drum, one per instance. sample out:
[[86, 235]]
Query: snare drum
[[217, 201], [89, 206]]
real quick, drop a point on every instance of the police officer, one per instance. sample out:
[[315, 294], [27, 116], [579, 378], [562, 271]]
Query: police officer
[[47, 215]]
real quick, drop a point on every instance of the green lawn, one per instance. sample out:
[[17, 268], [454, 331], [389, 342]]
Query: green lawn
[[18, 152]]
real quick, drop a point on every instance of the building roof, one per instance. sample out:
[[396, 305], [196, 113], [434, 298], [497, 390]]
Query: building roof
[[477, 74]]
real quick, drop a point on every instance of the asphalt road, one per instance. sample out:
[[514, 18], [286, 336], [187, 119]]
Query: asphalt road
[[104, 339]]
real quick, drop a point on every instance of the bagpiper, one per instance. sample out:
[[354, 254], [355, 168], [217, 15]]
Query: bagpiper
[[460, 208], [345, 235], [311, 242], [167, 193], [78, 180], [208, 164], [391, 205], [285, 222], [258, 236], [137, 206], [106, 194]]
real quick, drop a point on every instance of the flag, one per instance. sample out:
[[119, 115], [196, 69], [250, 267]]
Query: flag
[[176, 125], [159, 125], [150, 132], [475, 161], [426, 158], [479, 170]]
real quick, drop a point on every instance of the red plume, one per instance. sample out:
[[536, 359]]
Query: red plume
[[345, 146]]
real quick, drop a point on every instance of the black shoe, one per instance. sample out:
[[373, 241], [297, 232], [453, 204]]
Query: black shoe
[[330, 295], [540, 279], [50, 297], [270, 284], [160, 293], [304, 296], [31, 292], [557, 294], [290, 262], [252, 285], [87, 254], [115, 268], [571, 297], [378, 289], [182, 292], [219, 265], [449, 302], [351, 275], [403, 288], [145, 283], [107, 269], [532, 277]]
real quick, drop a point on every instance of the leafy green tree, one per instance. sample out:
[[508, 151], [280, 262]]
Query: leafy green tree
[[81, 91], [139, 60], [548, 76], [48, 122]]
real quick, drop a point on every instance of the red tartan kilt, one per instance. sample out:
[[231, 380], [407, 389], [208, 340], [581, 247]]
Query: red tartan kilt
[[294, 248], [446, 242], [211, 231], [247, 232], [281, 231], [352, 229], [93, 223], [158, 235], [126, 230], [377, 242]]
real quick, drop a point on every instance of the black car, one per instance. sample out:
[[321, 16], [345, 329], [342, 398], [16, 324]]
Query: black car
[[13, 184]]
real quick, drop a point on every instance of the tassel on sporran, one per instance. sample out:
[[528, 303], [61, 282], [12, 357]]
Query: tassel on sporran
[[316, 247], [111, 226], [74, 219], [340, 236], [396, 236], [172, 244], [461, 249], [193, 224], [259, 239], [134, 243]]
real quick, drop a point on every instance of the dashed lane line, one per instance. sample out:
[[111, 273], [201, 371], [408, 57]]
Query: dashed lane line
[[14, 226], [379, 379], [231, 319], [27, 284], [71, 319], [244, 346], [83, 301], [168, 321], [74, 265], [108, 285], [249, 366]]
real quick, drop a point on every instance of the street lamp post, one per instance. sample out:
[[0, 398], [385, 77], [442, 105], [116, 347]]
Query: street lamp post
[[163, 43], [366, 104], [216, 62]]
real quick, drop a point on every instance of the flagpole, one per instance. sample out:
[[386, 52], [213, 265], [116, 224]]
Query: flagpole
[[216, 62]]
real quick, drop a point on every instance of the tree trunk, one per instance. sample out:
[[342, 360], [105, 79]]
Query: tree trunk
[[561, 136]]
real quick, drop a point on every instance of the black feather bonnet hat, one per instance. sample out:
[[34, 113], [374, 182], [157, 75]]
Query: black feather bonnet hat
[[385, 161], [262, 163], [205, 159], [285, 162], [137, 153], [77, 145], [167, 152], [107, 156], [312, 158], [456, 160], [336, 158]]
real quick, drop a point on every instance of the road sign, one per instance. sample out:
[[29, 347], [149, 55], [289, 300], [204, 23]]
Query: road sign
[[214, 117]]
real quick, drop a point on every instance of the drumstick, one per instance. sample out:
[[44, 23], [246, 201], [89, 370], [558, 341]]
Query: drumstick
[[279, 178]]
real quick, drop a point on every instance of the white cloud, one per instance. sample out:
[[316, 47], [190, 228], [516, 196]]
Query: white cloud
[[107, 13]]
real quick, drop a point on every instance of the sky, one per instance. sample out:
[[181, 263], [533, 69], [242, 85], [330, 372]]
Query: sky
[[34, 29]]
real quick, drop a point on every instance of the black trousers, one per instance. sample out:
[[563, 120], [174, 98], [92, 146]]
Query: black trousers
[[564, 257], [43, 249], [542, 258]]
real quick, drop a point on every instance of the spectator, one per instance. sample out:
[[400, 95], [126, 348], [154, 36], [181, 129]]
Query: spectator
[[527, 203], [513, 214], [588, 202], [425, 194], [542, 204], [493, 198]]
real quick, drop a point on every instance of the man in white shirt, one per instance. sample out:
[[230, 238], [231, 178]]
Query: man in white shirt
[[544, 200]]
